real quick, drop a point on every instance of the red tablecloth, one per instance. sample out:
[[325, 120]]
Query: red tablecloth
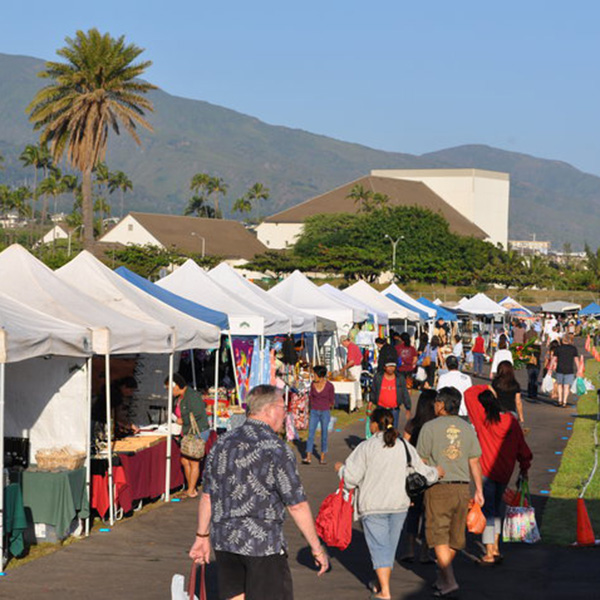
[[141, 475]]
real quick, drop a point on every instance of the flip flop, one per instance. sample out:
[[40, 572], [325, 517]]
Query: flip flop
[[305, 461]]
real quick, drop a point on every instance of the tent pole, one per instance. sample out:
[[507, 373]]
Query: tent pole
[[314, 352], [235, 375], [262, 358], [2, 392], [169, 430], [216, 395], [193, 359], [88, 454], [111, 491]]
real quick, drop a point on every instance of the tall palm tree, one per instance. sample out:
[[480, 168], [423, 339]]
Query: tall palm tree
[[360, 195], [96, 90], [119, 181], [242, 205], [38, 157], [198, 205], [257, 193], [52, 186], [217, 186]]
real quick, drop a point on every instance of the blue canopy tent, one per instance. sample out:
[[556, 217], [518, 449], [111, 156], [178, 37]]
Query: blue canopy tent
[[188, 307], [422, 314], [590, 310], [442, 313]]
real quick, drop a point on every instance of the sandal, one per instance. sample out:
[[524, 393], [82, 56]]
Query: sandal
[[306, 461]]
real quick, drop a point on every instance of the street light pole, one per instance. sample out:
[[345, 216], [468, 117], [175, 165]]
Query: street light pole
[[203, 242], [394, 246]]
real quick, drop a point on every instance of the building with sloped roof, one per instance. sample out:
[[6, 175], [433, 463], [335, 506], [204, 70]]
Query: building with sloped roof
[[192, 235], [282, 229]]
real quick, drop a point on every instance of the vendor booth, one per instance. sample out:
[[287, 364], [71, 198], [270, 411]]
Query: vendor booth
[[28, 338]]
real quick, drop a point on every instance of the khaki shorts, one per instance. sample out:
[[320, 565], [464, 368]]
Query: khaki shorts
[[446, 508]]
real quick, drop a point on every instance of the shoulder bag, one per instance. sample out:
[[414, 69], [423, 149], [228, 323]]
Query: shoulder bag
[[192, 445], [416, 483]]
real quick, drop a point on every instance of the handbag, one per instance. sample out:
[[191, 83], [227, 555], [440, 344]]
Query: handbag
[[426, 361], [178, 591], [519, 523], [476, 520], [334, 521], [416, 483], [421, 374], [192, 445], [547, 384]]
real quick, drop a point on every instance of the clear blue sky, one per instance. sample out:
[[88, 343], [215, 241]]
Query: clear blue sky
[[395, 75]]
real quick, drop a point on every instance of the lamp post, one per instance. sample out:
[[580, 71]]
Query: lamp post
[[394, 246], [203, 241], [70, 235]]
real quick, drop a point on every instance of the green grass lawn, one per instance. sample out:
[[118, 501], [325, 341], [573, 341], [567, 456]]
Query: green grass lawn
[[560, 514]]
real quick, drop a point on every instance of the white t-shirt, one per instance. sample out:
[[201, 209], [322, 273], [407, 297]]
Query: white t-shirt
[[458, 350], [498, 358], [457, 380]]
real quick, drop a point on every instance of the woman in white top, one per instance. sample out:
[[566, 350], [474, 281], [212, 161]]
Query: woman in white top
[[503, 353]]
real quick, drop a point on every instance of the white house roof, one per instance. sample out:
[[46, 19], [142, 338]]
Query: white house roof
[[364, 292], [27, 333], [90, 276], [23, 277]]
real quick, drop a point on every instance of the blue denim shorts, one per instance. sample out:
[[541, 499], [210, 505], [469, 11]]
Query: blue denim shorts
[[565, 378], [382, 533]]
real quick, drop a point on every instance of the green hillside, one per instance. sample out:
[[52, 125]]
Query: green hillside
[[549, 198]]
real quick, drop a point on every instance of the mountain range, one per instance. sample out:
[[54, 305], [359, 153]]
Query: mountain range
[[551, 199]]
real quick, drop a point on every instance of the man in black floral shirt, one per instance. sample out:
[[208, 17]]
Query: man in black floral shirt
[[250, 478]]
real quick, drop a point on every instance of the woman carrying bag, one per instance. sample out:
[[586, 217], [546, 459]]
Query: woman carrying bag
[[502, 446], [378, 468]]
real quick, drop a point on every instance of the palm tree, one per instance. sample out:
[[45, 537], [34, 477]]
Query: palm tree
[[217, 186], [119, 181], [96, 90], [257, 193], [38, 157], [52, 186], [360, 195], [198, 205], [242, 205], [1, 162]]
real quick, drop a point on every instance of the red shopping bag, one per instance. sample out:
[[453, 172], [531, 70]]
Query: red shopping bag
[[334, 521]]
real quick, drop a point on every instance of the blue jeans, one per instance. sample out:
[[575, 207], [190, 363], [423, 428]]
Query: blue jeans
[[477, 363], [382, 533], [316, 417], [493, 509]]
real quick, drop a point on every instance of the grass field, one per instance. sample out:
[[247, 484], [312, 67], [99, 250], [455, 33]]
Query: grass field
[[560, 514]]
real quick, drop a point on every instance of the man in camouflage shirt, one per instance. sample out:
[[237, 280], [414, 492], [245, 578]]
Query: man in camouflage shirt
[[250, 478]]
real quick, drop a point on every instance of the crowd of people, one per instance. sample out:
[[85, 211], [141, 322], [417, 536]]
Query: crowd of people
[[466, 441]]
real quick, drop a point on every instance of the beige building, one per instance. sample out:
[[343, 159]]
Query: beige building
[[282, 229], [480, 196], [205, 237]]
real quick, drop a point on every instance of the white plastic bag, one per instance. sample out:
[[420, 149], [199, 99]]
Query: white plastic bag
[[421, 374], [547, 384], [178, 591]]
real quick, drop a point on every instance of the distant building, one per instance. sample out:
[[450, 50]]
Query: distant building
[[205, 237], [282, 229], [480, 196], [530, 247]]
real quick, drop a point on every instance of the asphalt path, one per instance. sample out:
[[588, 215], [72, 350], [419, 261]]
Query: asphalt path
[[139, 556]]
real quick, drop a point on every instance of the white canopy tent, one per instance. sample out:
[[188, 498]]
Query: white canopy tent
[[361, 290], [299, 321], [515, 307], [402, 295], [299, 291], [25, 278], [482, 305], [26, 334], [379, 317], [192, 282], [91, 277], [560, 306]]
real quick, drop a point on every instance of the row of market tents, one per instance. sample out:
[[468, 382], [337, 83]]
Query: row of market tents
[[54, 322]]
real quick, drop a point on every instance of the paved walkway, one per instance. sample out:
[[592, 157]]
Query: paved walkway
[[137, 559]]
